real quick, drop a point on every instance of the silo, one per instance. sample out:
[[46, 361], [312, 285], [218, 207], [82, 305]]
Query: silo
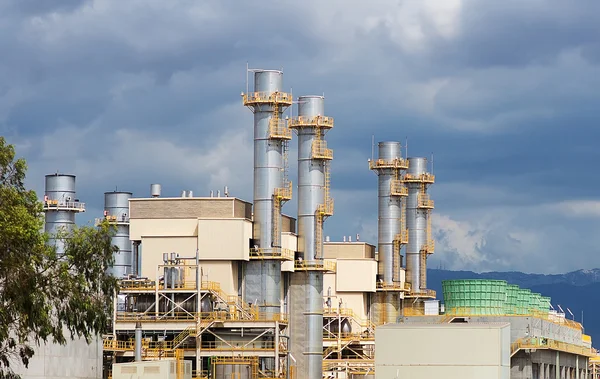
[[418, 221], [60, 206], [271, 187], [116, 210]]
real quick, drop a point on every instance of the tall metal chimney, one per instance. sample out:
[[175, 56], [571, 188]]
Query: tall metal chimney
[[116, 210], [271, 187], [418, 219], [314, 206], [392, 234], [60, 205]]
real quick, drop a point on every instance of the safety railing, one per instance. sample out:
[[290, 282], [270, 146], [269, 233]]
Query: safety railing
[[397, 188], [255, 98], [272, 253], [64, 205], [222, 316], [237, 361], [278, 129], [316, 265], [397, 163], [345, 337], [402, 237], [422, 178], [318, 121], [513, 312], [395, 286], [547, 343], [422, 293], [327, 208], [285, 192], [349, 313], [320, 150], [424, 202], [114, 345], [241, 346]]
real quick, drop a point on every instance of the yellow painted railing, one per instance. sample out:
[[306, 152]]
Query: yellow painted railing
[[317, 265], [318, 121], [397, 188], [400, 239], [517, 312], [398, 163], [240, 346], [423, 178], [278, 129], [546, 343], [401, 286], [255, 98], [349, 313], [272, 253], [71, 205], [320, 150], [423, 201], [422, 293], [284, 193]]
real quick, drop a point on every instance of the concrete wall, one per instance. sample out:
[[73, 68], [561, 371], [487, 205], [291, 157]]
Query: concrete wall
[[188, 207], [353, 250], [75, 360], [224, 239], [356, 275], [442, 351], [162, 227]]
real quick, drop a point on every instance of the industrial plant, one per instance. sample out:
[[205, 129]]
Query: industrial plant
[[219, 287]]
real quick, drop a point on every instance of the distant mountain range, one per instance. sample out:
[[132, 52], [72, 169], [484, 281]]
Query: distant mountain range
[[578, 291]]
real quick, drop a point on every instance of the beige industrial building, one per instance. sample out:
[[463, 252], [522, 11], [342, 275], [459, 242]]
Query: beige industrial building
[[461, 351]]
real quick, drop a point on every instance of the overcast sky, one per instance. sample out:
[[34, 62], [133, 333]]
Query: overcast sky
[[504, 93]]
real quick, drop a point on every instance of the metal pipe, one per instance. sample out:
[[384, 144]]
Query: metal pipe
[[116, 205], [138, 341], [60, 205], [416, 221]]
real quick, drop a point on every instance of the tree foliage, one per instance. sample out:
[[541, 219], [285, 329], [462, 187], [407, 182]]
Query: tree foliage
[[46, 297]]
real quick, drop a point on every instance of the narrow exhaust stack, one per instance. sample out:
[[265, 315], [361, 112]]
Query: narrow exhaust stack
[[418, 217], [392, 235], [314, 206], [271, 187]]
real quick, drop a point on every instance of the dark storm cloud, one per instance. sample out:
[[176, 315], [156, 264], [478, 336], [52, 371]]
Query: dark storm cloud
[[504, 94]]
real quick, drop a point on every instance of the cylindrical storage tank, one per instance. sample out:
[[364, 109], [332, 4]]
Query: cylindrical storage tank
[[60, 215], [206, 305], [237, 371], [416, 222], [60, 187], [116, 205], [155, 190]]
